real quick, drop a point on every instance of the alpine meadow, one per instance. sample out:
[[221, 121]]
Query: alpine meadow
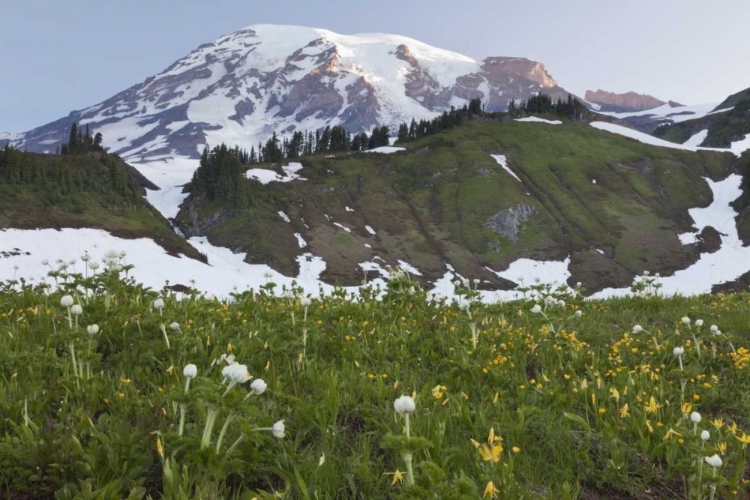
[[306, 265]]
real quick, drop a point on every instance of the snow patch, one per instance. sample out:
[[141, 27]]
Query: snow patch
[[341, 226], [696, 139], [302, 243], [284, 216], [665, 112], [536, 119], [370, 230], [736, 147], [386, 150], [409, 268], [728, 263], [688, 238], [503, 162], [264, 176]]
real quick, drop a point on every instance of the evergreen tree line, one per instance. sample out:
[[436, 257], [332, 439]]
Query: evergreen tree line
[[571, 108], [221, 179], [81, 142], [448, 120], [60, 180], [328, 140]]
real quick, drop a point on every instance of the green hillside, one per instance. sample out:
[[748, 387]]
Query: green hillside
[[94, 190], [446, 200], [723, 128]]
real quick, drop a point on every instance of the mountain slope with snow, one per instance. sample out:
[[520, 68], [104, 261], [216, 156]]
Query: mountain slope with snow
[[265, 78], [472, 201], [727, 125]]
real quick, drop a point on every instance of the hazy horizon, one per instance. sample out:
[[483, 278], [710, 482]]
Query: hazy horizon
[[69, 58]]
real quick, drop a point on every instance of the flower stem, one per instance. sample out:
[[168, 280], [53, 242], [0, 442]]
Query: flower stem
[[183, 410], [697, 344], [409, 470], [234, 445], [164, 331], [208, 429], [26, 411], [223, 433]]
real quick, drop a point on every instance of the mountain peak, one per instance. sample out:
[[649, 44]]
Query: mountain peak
[[623, 103], [266, 78]]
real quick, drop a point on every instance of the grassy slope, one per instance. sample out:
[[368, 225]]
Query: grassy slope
[[523, 380], [430, 204], [26, 207], [723, 128]]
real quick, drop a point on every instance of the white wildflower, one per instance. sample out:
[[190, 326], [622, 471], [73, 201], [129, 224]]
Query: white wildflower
[[404, 405], [278, 429], [258, 386], [190, 371]]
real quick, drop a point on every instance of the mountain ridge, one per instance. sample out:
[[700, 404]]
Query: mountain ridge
[[623, 102]]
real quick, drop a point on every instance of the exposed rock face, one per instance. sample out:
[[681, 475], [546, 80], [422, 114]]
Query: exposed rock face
[[507, 222], [248, 84], [622, 103]]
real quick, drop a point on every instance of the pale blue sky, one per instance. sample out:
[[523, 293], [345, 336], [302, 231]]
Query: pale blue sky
[[61, 55]]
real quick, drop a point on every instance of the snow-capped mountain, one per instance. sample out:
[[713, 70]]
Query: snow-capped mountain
[[265, 78]]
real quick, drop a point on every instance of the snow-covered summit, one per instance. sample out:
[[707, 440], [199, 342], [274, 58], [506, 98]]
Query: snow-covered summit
[[247, 84]]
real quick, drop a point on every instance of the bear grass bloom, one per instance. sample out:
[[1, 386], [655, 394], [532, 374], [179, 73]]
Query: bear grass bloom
[[404, 405], [259, 386], [278, 429]]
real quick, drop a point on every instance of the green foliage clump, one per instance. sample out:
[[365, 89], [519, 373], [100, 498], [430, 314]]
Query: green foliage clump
[[220, 178], [68, 181]]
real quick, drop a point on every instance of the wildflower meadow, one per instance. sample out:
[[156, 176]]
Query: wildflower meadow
[[110, 390]]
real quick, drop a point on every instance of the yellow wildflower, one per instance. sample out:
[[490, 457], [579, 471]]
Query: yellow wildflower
[[491, 453], [652, 406], [398, 476], [744, 439], [490, 490], [615, 394], [686, 408], [717, 423], [159, 447], [437, 391], [671, 432], [624, 411], [721, 448]]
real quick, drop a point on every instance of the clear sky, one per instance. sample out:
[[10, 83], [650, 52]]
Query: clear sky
[[61, 55]]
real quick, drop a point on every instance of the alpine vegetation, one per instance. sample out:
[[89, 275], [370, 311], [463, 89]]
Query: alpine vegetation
[[114, 390]]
